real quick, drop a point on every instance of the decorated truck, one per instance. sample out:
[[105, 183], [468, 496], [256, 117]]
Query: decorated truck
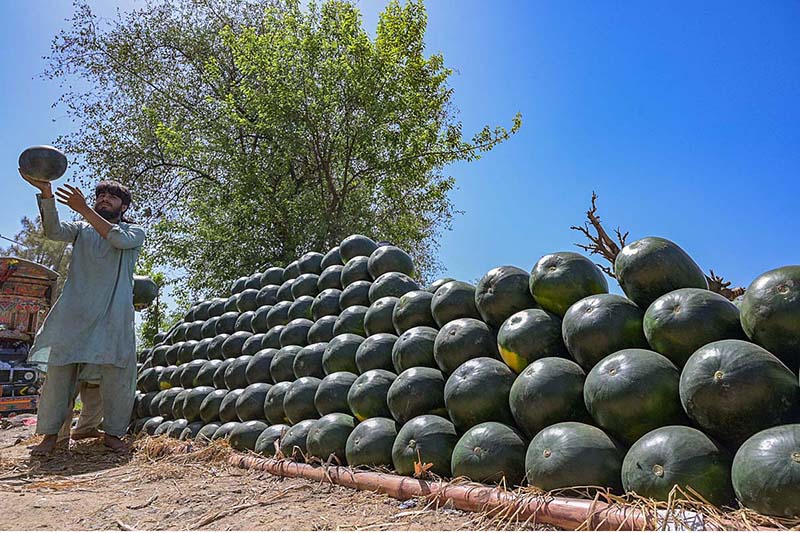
[[27, 290]]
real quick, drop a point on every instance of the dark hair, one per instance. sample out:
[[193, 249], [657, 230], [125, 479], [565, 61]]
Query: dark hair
[[118, 190]]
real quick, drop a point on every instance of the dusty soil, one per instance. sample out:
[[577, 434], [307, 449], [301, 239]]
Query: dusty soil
[[88, 488]]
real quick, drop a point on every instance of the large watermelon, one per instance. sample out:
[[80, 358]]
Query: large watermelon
[[279, 314], [351, 320], [152, 424], [201, 349], [355, 245], [378, 318], [224, 431], [267, 295], [771, 313], [331, 278], [265, 444], [252, 345], [333, 257], [340, 354], [272, 338], [600, 325], [273, 403], [391, 284], [390, 259], [250, 404], [413, 309], [282, 366], [633, 391], [490, 453], [236, 373], [209, 407], [548, 391], [209, 328], [414, 348], [766, 471], [296, 332], [185, 352], [245, 435], [293, 444], [434, 286], [327, 438], [529, 335], [291, 271], [215, 346], [207, 432], [301, 308], [331, 395], [298, 404], [376, 352], [191, 430], [461, 340], [310, 263], [305, 285], [678, 455], [453, 300], [322, 330], [425, 439], [308, 361], [367, 395], [370, 443], [227, 409], [573, 454], [167, 400], [259, 322], [501, 292], [354, 270], [357, 293], [478, 392], [246, 300], [227, 323], [416, 391], [232, 347], [272, 276], [257, 370], [651, 267], [734, 389], [679, 322], [560, 279], [193, 401], [326, 303]]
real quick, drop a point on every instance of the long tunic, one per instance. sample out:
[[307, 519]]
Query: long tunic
[[92, 322]]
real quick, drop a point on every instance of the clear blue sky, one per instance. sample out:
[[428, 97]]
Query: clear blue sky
[[684, 117]]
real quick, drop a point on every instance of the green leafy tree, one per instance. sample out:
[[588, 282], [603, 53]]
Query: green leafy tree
[[34, 246], [253, 132]]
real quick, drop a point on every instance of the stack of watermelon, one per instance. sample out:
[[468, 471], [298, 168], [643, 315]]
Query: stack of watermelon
[[542, 377]]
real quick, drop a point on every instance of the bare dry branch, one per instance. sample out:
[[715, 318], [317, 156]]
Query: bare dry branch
[[600, 242], [720, 286]]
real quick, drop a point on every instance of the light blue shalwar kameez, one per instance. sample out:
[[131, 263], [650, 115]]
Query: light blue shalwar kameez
[[89, 332]]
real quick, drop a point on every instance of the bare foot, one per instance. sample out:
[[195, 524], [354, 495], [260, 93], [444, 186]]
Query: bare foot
[[88, 434], [115, 443], [45, 447]]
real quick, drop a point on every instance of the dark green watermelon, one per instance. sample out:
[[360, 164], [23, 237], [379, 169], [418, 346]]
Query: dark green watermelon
[[678, 455], [390, 259], [207, 432], [232, 346], [273, 403], [279, 314], [305, 285], [413, 309], [332, 258], [265, 444], [296, 332], [267, 295], [257, 370], [501, 292], [193, 402], [326, 304], [163, 428], [201, 350], [367, 395], [227, 323], [152, 407], [238, 285], [224, 431], [159, 355], [308, 361], [147, 380], [172, 354], [375, 352], [143, 409], [331, 278], [152, 424], [357, 293], [259, 322], [426, 439], [190, 373], [416, 391], [194, 331], [771, 313], [272, 276], [272, 338], [217, 307], [322, 330], [766, 472], [177, 427], [573, 454], [236, 373], [678, 323], [209, 328], [733, 389], [391, 284], [227, 408], [478, 391], [244, 436], [281, 368], [42, 163], [529, 335], [633, 391], [331, 395], [177, 405], [560, 279], [285, 291], [219, 375], [230, 304], [461, 340], [253, 281], [185, 352], [310, 263], [253, 344], [250, 404], [378, 318], [355, 270], [205, 377], [167, 377], [327, 438], [356, 245], [298, 404], [291, 271], [293, 444], [191, 430], [351, 320], [167, 401], [246, 300], [434, 286], [145, 291], [138, 425], [370, 443], [490, 453], [651, 267], [340, 354], [548, 391], [414, 348], [244, 322], [301, 308], [454, 300], [599, 325], [200, 313]]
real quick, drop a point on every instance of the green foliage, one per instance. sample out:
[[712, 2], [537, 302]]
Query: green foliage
[[37, 248], [251, 132], [157, 316]]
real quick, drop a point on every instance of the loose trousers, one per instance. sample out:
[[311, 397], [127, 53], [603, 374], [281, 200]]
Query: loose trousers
[[117, 391], [91, 411]]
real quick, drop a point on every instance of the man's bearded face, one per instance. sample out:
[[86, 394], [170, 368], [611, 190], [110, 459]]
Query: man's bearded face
[[109, 206]]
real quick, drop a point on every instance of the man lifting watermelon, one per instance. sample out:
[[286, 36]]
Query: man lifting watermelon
[[90, 330]]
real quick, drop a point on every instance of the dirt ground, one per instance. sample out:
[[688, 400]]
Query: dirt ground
[[88, 488]]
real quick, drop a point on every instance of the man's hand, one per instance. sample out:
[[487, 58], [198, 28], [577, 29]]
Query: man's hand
[[43, 186], [72, 197]]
